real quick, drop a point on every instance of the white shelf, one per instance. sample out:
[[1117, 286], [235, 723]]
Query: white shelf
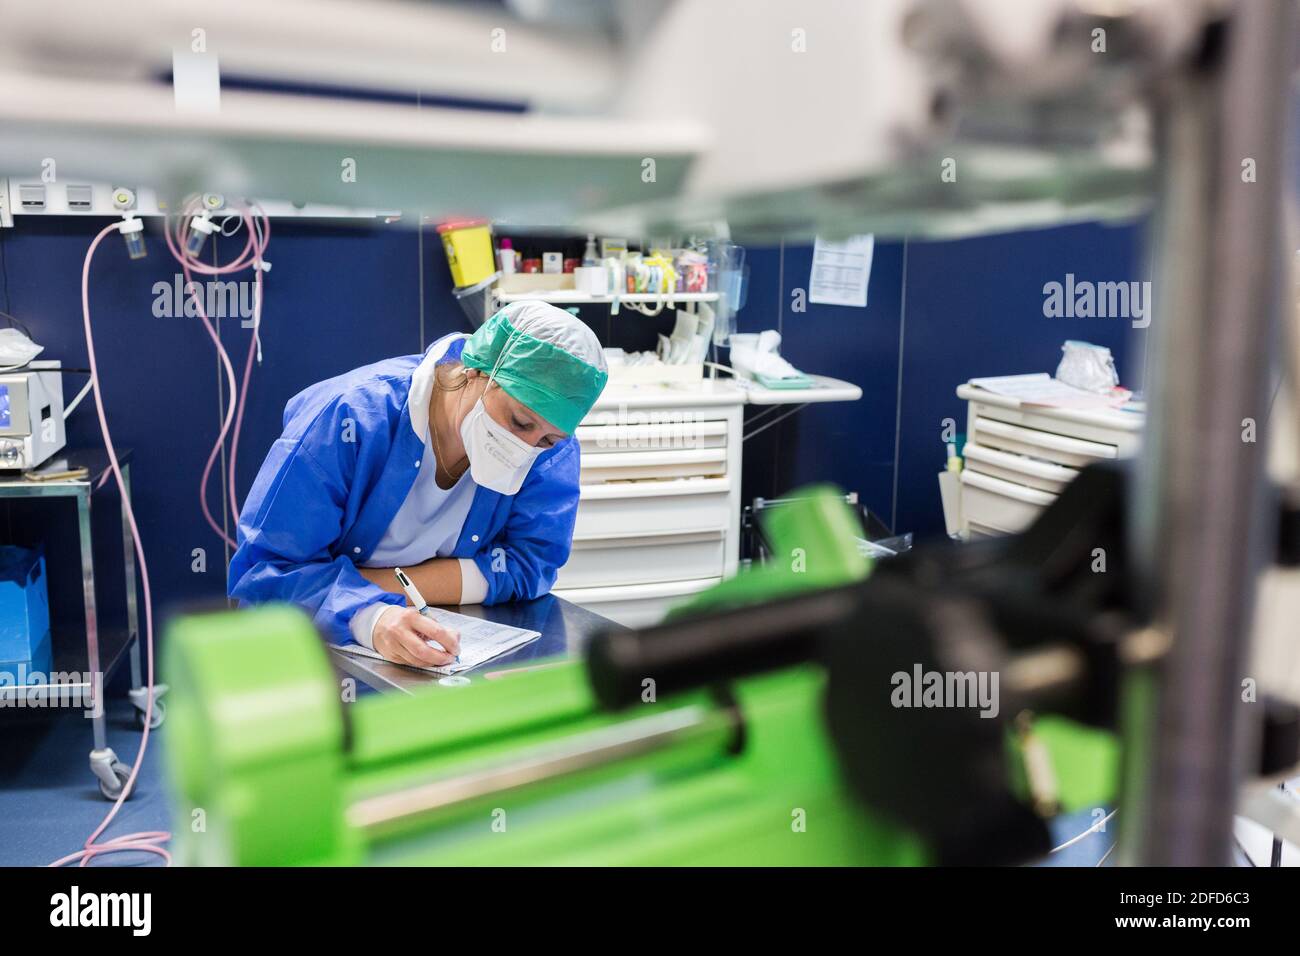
[[54, 197], [704, 392], [574, 297], [1115, 417], [823, 389], [726, 391]]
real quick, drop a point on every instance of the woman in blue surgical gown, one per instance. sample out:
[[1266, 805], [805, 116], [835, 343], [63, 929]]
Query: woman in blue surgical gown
[[458, 466]]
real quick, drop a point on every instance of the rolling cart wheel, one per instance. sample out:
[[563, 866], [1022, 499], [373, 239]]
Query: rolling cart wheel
[[159, 715], [139, 697], [123, 773]]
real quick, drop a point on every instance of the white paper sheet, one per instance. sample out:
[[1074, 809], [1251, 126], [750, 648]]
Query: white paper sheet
[[841, 270], [1039, 388], [480, 641]]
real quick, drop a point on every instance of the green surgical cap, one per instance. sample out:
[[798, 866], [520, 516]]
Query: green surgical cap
[[542, 356]]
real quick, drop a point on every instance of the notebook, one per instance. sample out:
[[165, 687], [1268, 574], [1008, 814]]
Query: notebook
[[480, 641]]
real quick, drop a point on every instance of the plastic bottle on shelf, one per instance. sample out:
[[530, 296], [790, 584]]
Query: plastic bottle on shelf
[[506, 257], [589, 257]]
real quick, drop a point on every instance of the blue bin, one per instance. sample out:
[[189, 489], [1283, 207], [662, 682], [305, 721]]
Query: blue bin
[[24, 616]]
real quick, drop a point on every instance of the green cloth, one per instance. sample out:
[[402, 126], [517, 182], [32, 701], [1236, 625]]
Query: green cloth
[[554, 383]]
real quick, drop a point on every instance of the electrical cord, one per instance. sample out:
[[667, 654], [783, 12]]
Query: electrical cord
[[147, 841], [1242, 850], [13, 322], [151, 841], [72, 406], [58, 369], [1092, 829], [258, 233]]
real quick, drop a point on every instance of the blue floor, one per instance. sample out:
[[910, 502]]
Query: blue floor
[[50, 801]]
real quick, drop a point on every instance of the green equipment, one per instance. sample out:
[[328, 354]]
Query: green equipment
[[814, 541], [743, 732]]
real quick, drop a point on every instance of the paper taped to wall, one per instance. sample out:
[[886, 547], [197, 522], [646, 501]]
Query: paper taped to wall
[[841, 270]]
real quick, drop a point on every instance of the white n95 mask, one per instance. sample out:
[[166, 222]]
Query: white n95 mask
[[498, 459]]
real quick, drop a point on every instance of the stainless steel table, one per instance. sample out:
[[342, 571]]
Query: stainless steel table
[[79, 674], [565, 630]]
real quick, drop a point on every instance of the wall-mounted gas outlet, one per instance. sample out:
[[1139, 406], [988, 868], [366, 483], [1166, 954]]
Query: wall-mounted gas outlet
[[123, 198], [80, 198], [31, 196]]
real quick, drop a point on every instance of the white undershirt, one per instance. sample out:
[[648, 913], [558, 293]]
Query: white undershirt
[[430, 520]]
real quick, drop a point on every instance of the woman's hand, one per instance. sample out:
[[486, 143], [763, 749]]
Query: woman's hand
[[400, 635]]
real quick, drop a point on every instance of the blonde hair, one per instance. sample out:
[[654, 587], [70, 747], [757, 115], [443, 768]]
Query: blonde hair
[[450, 377]]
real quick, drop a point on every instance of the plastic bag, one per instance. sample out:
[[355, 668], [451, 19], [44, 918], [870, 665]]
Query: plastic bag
[[1087, 366], [16, 349]]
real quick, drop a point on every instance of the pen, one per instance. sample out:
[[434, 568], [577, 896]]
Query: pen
[[417, 599]]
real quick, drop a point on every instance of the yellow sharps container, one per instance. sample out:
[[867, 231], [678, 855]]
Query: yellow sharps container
[[468, 244]]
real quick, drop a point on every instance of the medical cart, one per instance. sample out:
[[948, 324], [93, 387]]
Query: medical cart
[[73, 682], [1018, 457]]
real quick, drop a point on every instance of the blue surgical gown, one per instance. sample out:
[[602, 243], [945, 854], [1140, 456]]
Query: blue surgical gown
[[331, 484]]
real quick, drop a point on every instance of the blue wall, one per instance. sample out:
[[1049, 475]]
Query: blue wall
[[851, 444], [339, 296], [975, 307], [960, 309], [336, 297]]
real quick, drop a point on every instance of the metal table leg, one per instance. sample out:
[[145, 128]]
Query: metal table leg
[[128, 565], [108, 770], [139, 693], [92, 621]]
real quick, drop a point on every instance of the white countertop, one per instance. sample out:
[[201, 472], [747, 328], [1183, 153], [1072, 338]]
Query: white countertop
[[824, 389], [1105, 417], [707, 391], [725, 391]]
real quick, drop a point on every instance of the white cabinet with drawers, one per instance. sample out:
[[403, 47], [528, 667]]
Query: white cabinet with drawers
[[1019, 457], [659, 513]]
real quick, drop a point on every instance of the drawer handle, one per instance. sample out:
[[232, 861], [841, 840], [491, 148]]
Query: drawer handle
[[631, 459], [1030, 496], [615, 434], [655, 488], [1028, 466], [1030, 436]]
